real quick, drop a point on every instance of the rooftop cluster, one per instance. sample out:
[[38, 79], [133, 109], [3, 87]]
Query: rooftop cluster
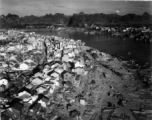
[[44, 74], [53, 78]]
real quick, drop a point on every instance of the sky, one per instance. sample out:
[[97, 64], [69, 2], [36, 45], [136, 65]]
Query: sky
[[69, 7]]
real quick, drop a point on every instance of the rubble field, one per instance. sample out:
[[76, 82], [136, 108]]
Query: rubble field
[[53, 78]]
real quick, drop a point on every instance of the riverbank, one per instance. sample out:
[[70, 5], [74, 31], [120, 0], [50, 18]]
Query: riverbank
[[48, 29], [49, 74], [131, 50], [139, 34]]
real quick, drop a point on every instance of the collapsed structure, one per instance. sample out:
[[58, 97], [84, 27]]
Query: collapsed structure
[[51, 78]]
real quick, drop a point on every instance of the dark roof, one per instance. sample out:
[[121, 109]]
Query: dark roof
[[53, 62], [72, 65], [45, 99], [62, 74], [49, 73], [33, 105], [15, 103], [18, 106], [5, 116], [41, 96], [25, 89], [36, 107]]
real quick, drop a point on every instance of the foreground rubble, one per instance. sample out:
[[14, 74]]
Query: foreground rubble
[[51, 78]]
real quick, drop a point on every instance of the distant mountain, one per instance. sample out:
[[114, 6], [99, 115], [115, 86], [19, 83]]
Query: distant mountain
[[47, 19], [9, 20], [76, 20], [14, 21], [80, 20]]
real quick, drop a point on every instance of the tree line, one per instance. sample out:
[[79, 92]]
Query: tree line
[[76, 20]]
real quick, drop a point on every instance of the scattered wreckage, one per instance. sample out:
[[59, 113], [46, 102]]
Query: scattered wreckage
[[50, 78]]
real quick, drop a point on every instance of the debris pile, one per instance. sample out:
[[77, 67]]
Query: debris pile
[[51, 78]]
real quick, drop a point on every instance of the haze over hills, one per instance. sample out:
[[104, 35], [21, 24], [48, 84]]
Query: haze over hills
[[76, 20]]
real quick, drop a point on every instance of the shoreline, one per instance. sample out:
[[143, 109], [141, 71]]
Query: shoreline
[[141, 34], [77, 30]]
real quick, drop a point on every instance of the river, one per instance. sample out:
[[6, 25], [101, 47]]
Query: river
[[142, 52]]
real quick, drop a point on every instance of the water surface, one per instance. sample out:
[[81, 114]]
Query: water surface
[[129, 49]]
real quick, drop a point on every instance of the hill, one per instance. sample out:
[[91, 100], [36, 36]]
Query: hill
[[76, 20]]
